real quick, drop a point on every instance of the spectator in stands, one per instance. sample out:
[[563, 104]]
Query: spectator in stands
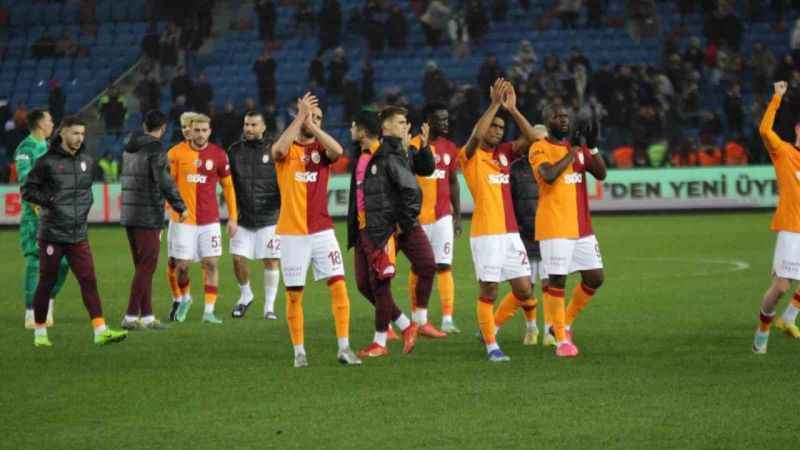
[[647, 128], [227, 125], [374, 27], [396, 29], [435, 87], [568, 11], [181, 85], [762, 63], [44, 47], [723, 28], [351, 99], [601, 83], [785, 68], [477, 20], [316, 69], [113, 110], [500, 10], [734, 113], [695, 54], [641, 18], [304, 18], [367, 81], [264, 67], [5, 120], [202, 95], [330, 24], [623, 157], [151, 50], [109, 168], [337, 69], [594, 13], [709, 155], [168, 53], [710, 128], [190, 40], [148, 92], [683, 155], [267, 17], [488, 72], [576, 58], [435, 21], [66, 45], [735, 154], [56, 101]]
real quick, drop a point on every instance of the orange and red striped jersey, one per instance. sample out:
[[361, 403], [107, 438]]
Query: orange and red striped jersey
[[786, 159], [563, 210], [196, 173], [436, 187], [487, 177], [303, 181]]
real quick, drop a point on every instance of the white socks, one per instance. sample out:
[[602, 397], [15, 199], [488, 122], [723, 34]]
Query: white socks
[[131, 318], [492, 346], [344, 343], [420, 316], [147, 320], [271, 279], [40, 331], [531, 324], [100, 329], [299, 349], [402, 322], [209, 308], [447, 319], [380, 338], [246, 295], [790, 314]]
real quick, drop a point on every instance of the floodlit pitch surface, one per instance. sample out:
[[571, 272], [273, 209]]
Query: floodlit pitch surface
[[665, 361]]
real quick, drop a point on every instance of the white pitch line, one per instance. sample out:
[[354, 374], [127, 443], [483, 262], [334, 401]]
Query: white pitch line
[[735, 265]]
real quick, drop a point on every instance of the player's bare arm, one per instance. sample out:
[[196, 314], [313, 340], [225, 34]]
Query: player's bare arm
[[551, 172], [482, 126], [455, 200], [509, 103], [304, 106], [333, 150]]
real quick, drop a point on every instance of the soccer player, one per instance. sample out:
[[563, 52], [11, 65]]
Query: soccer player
[[258, 201], [497, 250], [197, 167], [384, 201], [563, 220], [303, 154], [179, 294], [29, 150], [525, 196], [61, 185], [786, 221], [440, 214], [146, 183]]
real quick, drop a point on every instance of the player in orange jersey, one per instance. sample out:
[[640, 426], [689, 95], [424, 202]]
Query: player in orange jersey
[[497, 249], [179, 293], [440, 214], [303, 155], [197, 167], [563, 221], [786, 221]]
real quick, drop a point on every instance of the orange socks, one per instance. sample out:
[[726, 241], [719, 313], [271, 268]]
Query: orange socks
[[486, 320], [412, 289], [340, 306], [581, 296], [554, 309], [294, 315], [447, 292], [796, 300], [508, 307], [210, 294], [529, 308], [172, 281]]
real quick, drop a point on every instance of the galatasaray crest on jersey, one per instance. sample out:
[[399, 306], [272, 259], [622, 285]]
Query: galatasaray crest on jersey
[[503, 160], [446, 159], [315, 157], [209, 164]]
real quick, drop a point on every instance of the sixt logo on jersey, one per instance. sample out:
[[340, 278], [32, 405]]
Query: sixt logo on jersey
[[437, 174], [196, 178], [305, 177], [500, 178], [573, 178]]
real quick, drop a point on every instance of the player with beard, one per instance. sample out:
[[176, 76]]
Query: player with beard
[[563, 221]]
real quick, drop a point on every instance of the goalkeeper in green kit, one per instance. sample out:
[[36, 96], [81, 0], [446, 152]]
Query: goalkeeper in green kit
[[29, 150]]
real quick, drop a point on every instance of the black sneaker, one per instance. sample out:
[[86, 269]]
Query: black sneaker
[[239, 310], [174, 310]]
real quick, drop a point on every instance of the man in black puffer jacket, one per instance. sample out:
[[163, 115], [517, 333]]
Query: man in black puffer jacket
[[384, 202], [145, 184], [61, 185], [259, 202]]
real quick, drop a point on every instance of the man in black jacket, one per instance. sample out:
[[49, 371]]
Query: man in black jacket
[[145, 184], [61, 185], [384, 202], [259, 202]]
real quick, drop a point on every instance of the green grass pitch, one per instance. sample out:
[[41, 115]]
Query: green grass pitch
[[665, 362]]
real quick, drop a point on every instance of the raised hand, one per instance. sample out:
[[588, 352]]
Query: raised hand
[[510, 98], [424, 135], [780, 87], [497, 90], [306, 104]]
